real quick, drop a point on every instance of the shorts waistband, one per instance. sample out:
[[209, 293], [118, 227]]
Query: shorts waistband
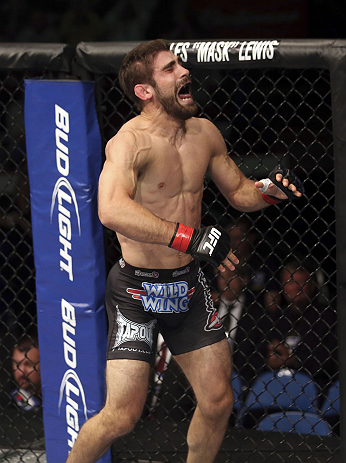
[[159, 274]]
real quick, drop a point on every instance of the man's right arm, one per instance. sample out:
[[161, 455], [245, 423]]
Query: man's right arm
[[117, 188]]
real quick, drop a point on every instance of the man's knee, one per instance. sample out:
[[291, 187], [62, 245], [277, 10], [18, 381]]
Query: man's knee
[[225, 406], [121, 421], [218, 405]]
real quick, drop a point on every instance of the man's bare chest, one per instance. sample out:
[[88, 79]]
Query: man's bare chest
[[172, 169]]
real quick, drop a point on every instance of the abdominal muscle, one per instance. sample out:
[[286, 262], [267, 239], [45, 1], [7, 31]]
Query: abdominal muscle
[[181, 209]]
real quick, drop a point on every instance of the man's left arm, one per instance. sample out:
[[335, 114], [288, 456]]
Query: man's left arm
[[242, 193]]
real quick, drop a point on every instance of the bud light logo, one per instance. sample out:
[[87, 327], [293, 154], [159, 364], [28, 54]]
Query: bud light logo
[[71, 386], [63, 192]]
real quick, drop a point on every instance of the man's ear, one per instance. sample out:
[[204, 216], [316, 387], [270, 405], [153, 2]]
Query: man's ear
[[143, 92]]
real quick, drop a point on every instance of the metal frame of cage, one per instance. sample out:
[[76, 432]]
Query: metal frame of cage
[[95, 59]]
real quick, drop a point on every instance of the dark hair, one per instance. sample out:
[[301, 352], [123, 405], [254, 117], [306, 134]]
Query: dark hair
[[27, 342], [137, 67]]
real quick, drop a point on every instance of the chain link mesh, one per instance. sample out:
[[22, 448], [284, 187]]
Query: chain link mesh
[[267, 117]]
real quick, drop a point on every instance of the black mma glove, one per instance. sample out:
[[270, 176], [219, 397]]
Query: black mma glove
[[211, 243], [291, 177]]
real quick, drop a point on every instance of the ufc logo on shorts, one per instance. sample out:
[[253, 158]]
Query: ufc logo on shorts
[[213, 236]]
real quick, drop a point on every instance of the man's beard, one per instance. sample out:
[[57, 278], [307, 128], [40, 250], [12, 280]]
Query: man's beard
[[174, 109]]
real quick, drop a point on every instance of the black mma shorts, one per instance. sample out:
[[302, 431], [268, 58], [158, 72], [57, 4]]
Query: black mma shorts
[[177, 302]]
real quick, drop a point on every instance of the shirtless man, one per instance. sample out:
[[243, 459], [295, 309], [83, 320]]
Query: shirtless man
[[150, 193]]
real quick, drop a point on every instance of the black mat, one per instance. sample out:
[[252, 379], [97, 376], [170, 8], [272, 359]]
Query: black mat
[[165, 442]]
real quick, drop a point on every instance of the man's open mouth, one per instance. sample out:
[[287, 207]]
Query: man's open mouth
[[185, 92]]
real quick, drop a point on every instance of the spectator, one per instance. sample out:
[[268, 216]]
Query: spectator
[[294, 331], [240, 314], [302, 334], [26, 374], [231, 300]]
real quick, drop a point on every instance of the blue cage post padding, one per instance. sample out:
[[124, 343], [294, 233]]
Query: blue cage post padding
[[64, 160]]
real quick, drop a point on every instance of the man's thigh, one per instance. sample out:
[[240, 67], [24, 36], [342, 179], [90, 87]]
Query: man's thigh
[[127, 384], [208, 369]]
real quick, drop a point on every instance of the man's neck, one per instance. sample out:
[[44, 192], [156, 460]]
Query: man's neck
[[163, 125]]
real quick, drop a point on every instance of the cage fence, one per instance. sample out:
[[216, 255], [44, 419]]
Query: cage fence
[[267, 116]]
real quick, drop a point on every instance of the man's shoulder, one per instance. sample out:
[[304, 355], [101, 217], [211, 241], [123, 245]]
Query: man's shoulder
[[200, 123], [205, 131], [129, 129], [130, 134]]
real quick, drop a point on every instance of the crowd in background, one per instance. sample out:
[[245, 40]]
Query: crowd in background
[[277, 317]]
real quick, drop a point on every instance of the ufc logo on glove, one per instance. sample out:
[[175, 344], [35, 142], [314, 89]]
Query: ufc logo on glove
[[214, 236]]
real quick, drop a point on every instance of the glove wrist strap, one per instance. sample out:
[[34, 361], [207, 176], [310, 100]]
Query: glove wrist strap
[[271, 199], [181, 237]]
